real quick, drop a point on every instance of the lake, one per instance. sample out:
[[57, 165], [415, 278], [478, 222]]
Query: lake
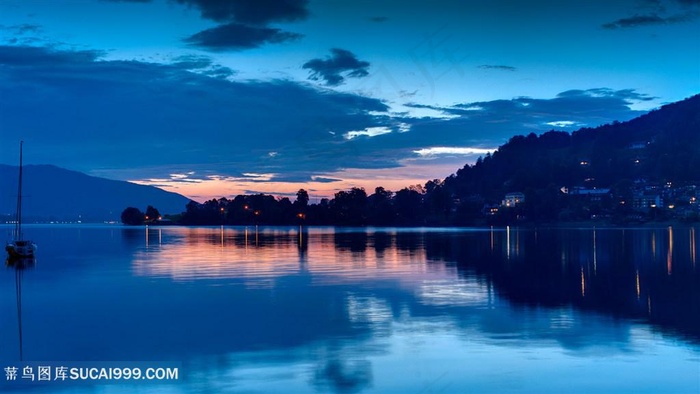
[[377, 310]]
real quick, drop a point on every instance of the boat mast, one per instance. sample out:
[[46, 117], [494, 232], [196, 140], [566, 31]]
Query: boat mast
[[18, 219]]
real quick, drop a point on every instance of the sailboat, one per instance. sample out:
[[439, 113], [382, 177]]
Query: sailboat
[[20, 248]]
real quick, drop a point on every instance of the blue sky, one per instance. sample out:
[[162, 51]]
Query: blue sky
[[214, 98]]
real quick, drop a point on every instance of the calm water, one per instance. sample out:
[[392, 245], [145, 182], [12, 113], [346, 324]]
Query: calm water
[[364, 310]]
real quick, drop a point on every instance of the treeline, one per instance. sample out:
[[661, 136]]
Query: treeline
[[406, 207]]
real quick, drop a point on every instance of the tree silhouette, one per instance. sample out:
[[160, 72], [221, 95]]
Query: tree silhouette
[[132, 216]]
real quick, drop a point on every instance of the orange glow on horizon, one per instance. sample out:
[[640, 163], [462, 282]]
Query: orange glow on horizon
[[412, 172]]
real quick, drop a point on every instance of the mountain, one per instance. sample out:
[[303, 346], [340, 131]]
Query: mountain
[[660, 146], [53, 193], [657, 152]]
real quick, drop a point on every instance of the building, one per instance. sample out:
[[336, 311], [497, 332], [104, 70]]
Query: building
[[646, 200], [513, 199]]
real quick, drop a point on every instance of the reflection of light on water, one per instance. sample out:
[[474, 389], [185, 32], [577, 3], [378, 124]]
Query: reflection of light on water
[[160, 236], [215, 253], [583, 284], [508, 242], [450, 292], [669, 256], [562, 320], [638, 288], [595, 254], [368, 310], [692, 245]]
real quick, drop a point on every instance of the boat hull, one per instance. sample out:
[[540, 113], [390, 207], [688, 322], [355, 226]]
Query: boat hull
[[20, 249]]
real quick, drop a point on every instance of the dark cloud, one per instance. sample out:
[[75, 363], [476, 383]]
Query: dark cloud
[[491, 123], [647, 20], [164, 115], [378, 19], [38, 56], [192, 62], [254, 12], [497, 67], [202, 65], [325, 180], [335, 68], [659, 13], [234, 36], [22, 29], [219, 72], [243, 23]]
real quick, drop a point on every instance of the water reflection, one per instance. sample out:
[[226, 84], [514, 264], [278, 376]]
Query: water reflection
[[298, 309], [613, 271], [619, 272], [19, 265]]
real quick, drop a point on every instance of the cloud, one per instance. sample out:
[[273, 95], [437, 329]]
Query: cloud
[[565, 124], [379, 19], [491, 123], [324, 179], [446, 150], [367, 132], [497, 67], [192, 62], [27, 56], [23, 28], [244, 24], [251, 12], [234, 36], [172, 120], [657, 14], [77, 110], [648, 20], [341, 62]]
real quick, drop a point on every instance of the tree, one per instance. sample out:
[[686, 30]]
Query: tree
[[302, 198], [152, 214], [132, 216]]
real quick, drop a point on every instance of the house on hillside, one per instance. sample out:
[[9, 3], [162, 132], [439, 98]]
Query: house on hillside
[[643, 201], [593, 194], [513, 199]]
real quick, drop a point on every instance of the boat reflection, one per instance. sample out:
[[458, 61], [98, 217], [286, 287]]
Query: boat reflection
[[19, 265]]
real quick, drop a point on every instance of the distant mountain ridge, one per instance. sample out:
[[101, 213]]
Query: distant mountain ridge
[[54, 193]]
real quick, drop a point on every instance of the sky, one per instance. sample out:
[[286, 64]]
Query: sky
[[214, 98]]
